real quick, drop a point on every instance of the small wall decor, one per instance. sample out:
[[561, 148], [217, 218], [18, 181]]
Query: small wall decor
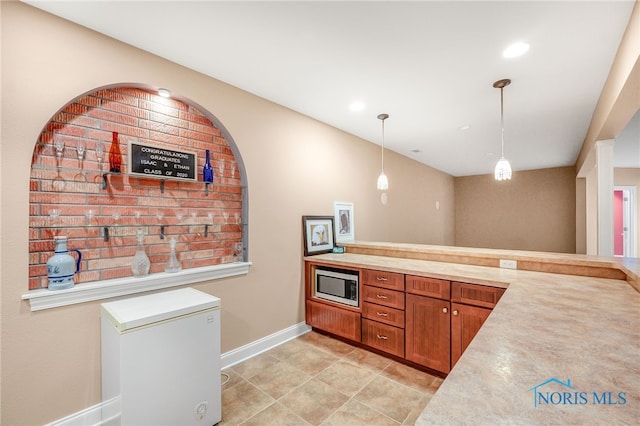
[[318, 234], [163, 163], [343, 214]]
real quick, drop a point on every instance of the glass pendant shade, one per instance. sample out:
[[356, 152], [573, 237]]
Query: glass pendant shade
[[503, 169], [383, 182]]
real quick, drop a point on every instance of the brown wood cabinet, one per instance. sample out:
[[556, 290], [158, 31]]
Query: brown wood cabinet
[[383, 314], [382, 296], [383, 337], [428, 332], [427, 321], [432, 287], [384, 279], [470, 307], [475, 294], [383, 311], [466, 320], [335, 320]]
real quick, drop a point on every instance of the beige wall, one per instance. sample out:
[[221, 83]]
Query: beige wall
[[533, 211], [631, 177], [295, 166]]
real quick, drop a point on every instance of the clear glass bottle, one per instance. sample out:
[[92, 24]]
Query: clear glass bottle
[[207, 170], [115, 155], [173, 265], [141, 264]]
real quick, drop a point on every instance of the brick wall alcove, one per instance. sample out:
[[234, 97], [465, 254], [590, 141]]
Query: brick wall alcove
[[68, 195]]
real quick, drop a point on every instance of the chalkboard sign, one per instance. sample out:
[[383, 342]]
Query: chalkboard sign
[[161, 163]]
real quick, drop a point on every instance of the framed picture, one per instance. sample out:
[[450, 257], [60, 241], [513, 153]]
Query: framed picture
[[343, 214], [318, 234]]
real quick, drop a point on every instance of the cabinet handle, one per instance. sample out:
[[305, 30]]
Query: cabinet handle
[[381, 337], [455, 312], [381, 296], [381, 279], [382, 314], [445, 310]]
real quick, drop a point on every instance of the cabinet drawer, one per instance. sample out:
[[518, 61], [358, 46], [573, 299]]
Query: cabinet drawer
[[382, 296], [383, 314], [475, 294], [432, 287], [334, 320], [383, 279], [383, 337]]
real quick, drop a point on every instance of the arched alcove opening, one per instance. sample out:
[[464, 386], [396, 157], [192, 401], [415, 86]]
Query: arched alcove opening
[[73, 193]]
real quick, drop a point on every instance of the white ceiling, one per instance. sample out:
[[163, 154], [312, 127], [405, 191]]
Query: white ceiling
[[430, 65]]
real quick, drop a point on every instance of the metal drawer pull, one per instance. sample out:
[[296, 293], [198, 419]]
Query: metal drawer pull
[[382, 314], [381, 279], [445, 310], [381, 296], [381, 337], [455, 312]]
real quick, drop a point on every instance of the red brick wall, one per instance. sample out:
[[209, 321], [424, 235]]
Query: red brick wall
[[73, 188]]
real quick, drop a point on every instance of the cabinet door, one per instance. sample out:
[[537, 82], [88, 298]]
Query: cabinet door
[[340, 322], [465, 323], [428, 332], [383, 337]]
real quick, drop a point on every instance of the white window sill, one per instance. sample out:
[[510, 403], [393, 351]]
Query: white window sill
[[47, 299]]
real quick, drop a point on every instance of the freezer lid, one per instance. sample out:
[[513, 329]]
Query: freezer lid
[[140, 311]]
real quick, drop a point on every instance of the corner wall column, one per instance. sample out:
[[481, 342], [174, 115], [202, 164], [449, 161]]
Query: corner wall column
[[604, 166]]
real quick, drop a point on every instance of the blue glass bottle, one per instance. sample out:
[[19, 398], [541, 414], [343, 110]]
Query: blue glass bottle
[[207, 170]]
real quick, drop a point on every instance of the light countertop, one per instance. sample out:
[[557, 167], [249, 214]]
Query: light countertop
[[579, 334]]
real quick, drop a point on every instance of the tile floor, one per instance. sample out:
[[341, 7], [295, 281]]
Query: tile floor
[[317, 380]]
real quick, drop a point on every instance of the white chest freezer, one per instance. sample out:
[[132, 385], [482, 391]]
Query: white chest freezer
[[161, 358]]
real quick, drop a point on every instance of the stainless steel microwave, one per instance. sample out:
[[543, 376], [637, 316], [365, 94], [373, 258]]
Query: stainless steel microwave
[[337, 285]]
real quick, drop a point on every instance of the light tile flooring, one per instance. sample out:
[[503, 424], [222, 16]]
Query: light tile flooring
[[317, 380]]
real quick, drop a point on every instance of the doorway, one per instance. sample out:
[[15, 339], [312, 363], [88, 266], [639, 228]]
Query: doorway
[[625, 234]]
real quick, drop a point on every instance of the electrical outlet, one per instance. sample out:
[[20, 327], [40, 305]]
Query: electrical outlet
[[508, 264]]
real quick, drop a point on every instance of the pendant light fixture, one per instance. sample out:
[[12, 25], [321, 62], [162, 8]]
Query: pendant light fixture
[[503, 168], [383, 182]]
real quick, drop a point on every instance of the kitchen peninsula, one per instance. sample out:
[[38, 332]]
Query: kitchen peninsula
[[561, 346]]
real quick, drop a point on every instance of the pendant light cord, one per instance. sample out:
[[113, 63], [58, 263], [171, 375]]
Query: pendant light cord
[[382, 117], [502, 118], [382, 152]]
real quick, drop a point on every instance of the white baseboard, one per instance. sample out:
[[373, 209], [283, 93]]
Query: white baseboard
[[107, 413], [254, 348]]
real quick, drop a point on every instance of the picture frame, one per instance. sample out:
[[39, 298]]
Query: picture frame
[[319, 234], [344, 220]]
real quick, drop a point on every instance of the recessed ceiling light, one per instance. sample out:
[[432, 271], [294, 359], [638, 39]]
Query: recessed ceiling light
[[356, 106], [515, 50], [165, 93], [465, 127], [416, 151]]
